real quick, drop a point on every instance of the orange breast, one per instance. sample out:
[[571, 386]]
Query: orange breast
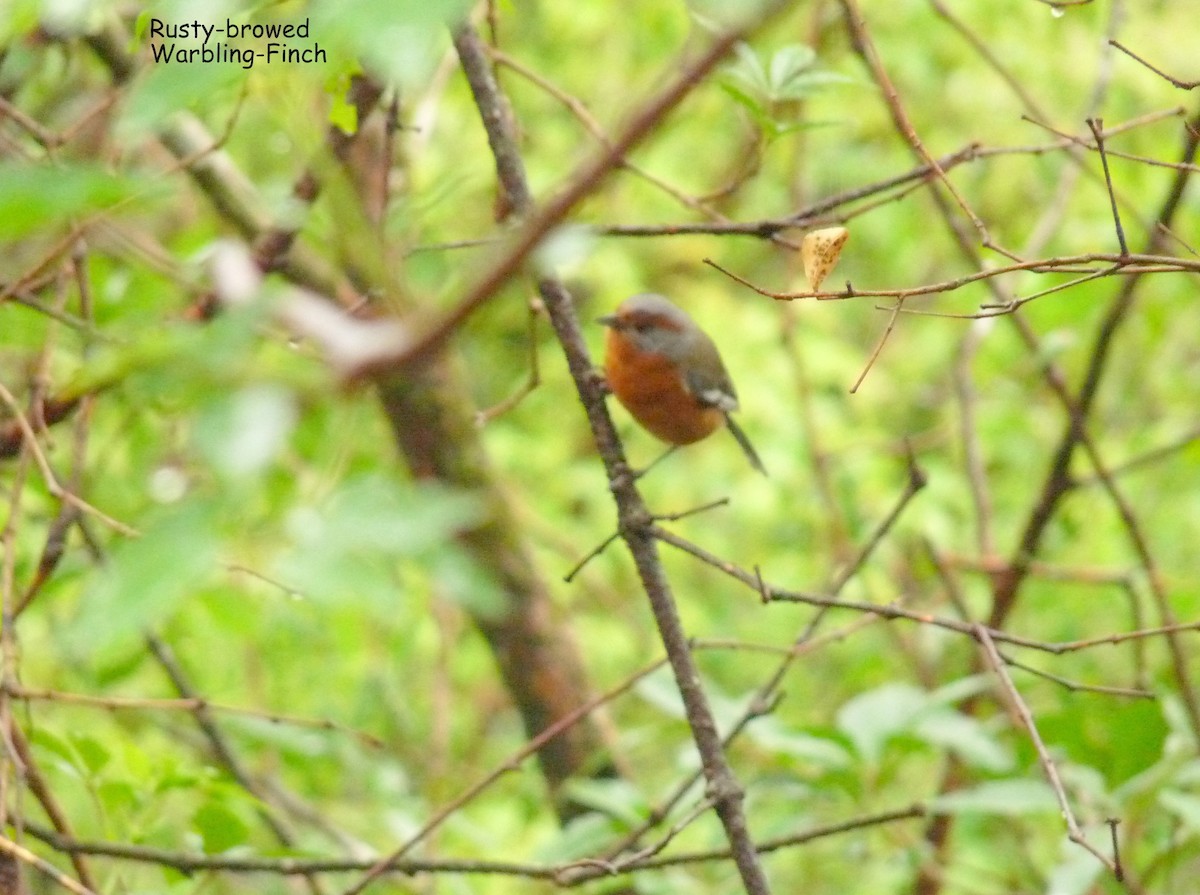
[[651, 389]]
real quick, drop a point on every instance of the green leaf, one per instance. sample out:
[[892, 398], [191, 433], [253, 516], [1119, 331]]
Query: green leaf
[[769, 734], [170, 87], [789, 65], [1076, 874], [963, 688], [874, 717], [120, 796], [748, 77], [805, 85], [1003, 797], [146, 578], [94, 754], [36, 197], [376, 512], [617, 798], [966, 737], [745, 98], [660, 691], [583, 836], [467, 583], [241, 433], [45, 738], [343, 114], [348, 548], [399, 40], [220, 828], [1185, 806]]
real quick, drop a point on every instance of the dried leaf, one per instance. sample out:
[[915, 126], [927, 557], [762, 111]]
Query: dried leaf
[[820, 252]]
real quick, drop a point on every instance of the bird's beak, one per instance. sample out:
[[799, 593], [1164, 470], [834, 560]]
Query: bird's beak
[[609, 320]]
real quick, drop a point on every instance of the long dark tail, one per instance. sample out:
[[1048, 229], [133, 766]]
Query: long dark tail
[[744, 443]]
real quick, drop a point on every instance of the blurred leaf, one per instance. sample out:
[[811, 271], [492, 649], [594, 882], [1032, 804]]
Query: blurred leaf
[[146, 578], [1003, 797], [963, 688], [467, 583], [343, 114], [874, 717], [220, 827], [398, 40], [178, 778], [181, 363], [582, 837], [45, 738], [769, 734], [966, 737], [660, 691], [717, 16], [170, 87], [1185, 806], [788, 65], [348, 548], [1077, 873], [120, 795], [95, 754], [243, 432], [1181, 735], [748, 76], [35, 197], [1188, 774], [20, 16], [375, 512], [770, 92], [617, 798]]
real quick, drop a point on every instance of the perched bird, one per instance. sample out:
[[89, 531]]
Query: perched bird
[[667, 372]]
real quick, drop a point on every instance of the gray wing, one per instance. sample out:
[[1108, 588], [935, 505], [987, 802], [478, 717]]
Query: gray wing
[[712, 388]]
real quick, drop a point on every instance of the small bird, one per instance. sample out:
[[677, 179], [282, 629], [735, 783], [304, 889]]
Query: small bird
[[667, 372]]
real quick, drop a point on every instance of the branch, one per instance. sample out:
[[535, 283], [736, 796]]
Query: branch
[[996, 662], [634, 520], [1174, 82], [565, 875]]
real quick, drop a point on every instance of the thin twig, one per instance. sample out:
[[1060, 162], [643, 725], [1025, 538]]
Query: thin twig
[[221, 747], [189, 704], [389, 861], [45, 867], [589, 556], [968, 433], [1136, 263], [1097, 128], [532, 380], [893, 611], [865, 47], [51, 481], [1175, 82], [592, 126], [996, 662], [887, 331], [193, 862], [1076, 687]]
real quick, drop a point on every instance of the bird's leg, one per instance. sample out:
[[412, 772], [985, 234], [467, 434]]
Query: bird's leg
[[638, 473]]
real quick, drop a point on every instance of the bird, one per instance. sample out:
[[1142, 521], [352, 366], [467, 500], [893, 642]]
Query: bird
[[667, 372]]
